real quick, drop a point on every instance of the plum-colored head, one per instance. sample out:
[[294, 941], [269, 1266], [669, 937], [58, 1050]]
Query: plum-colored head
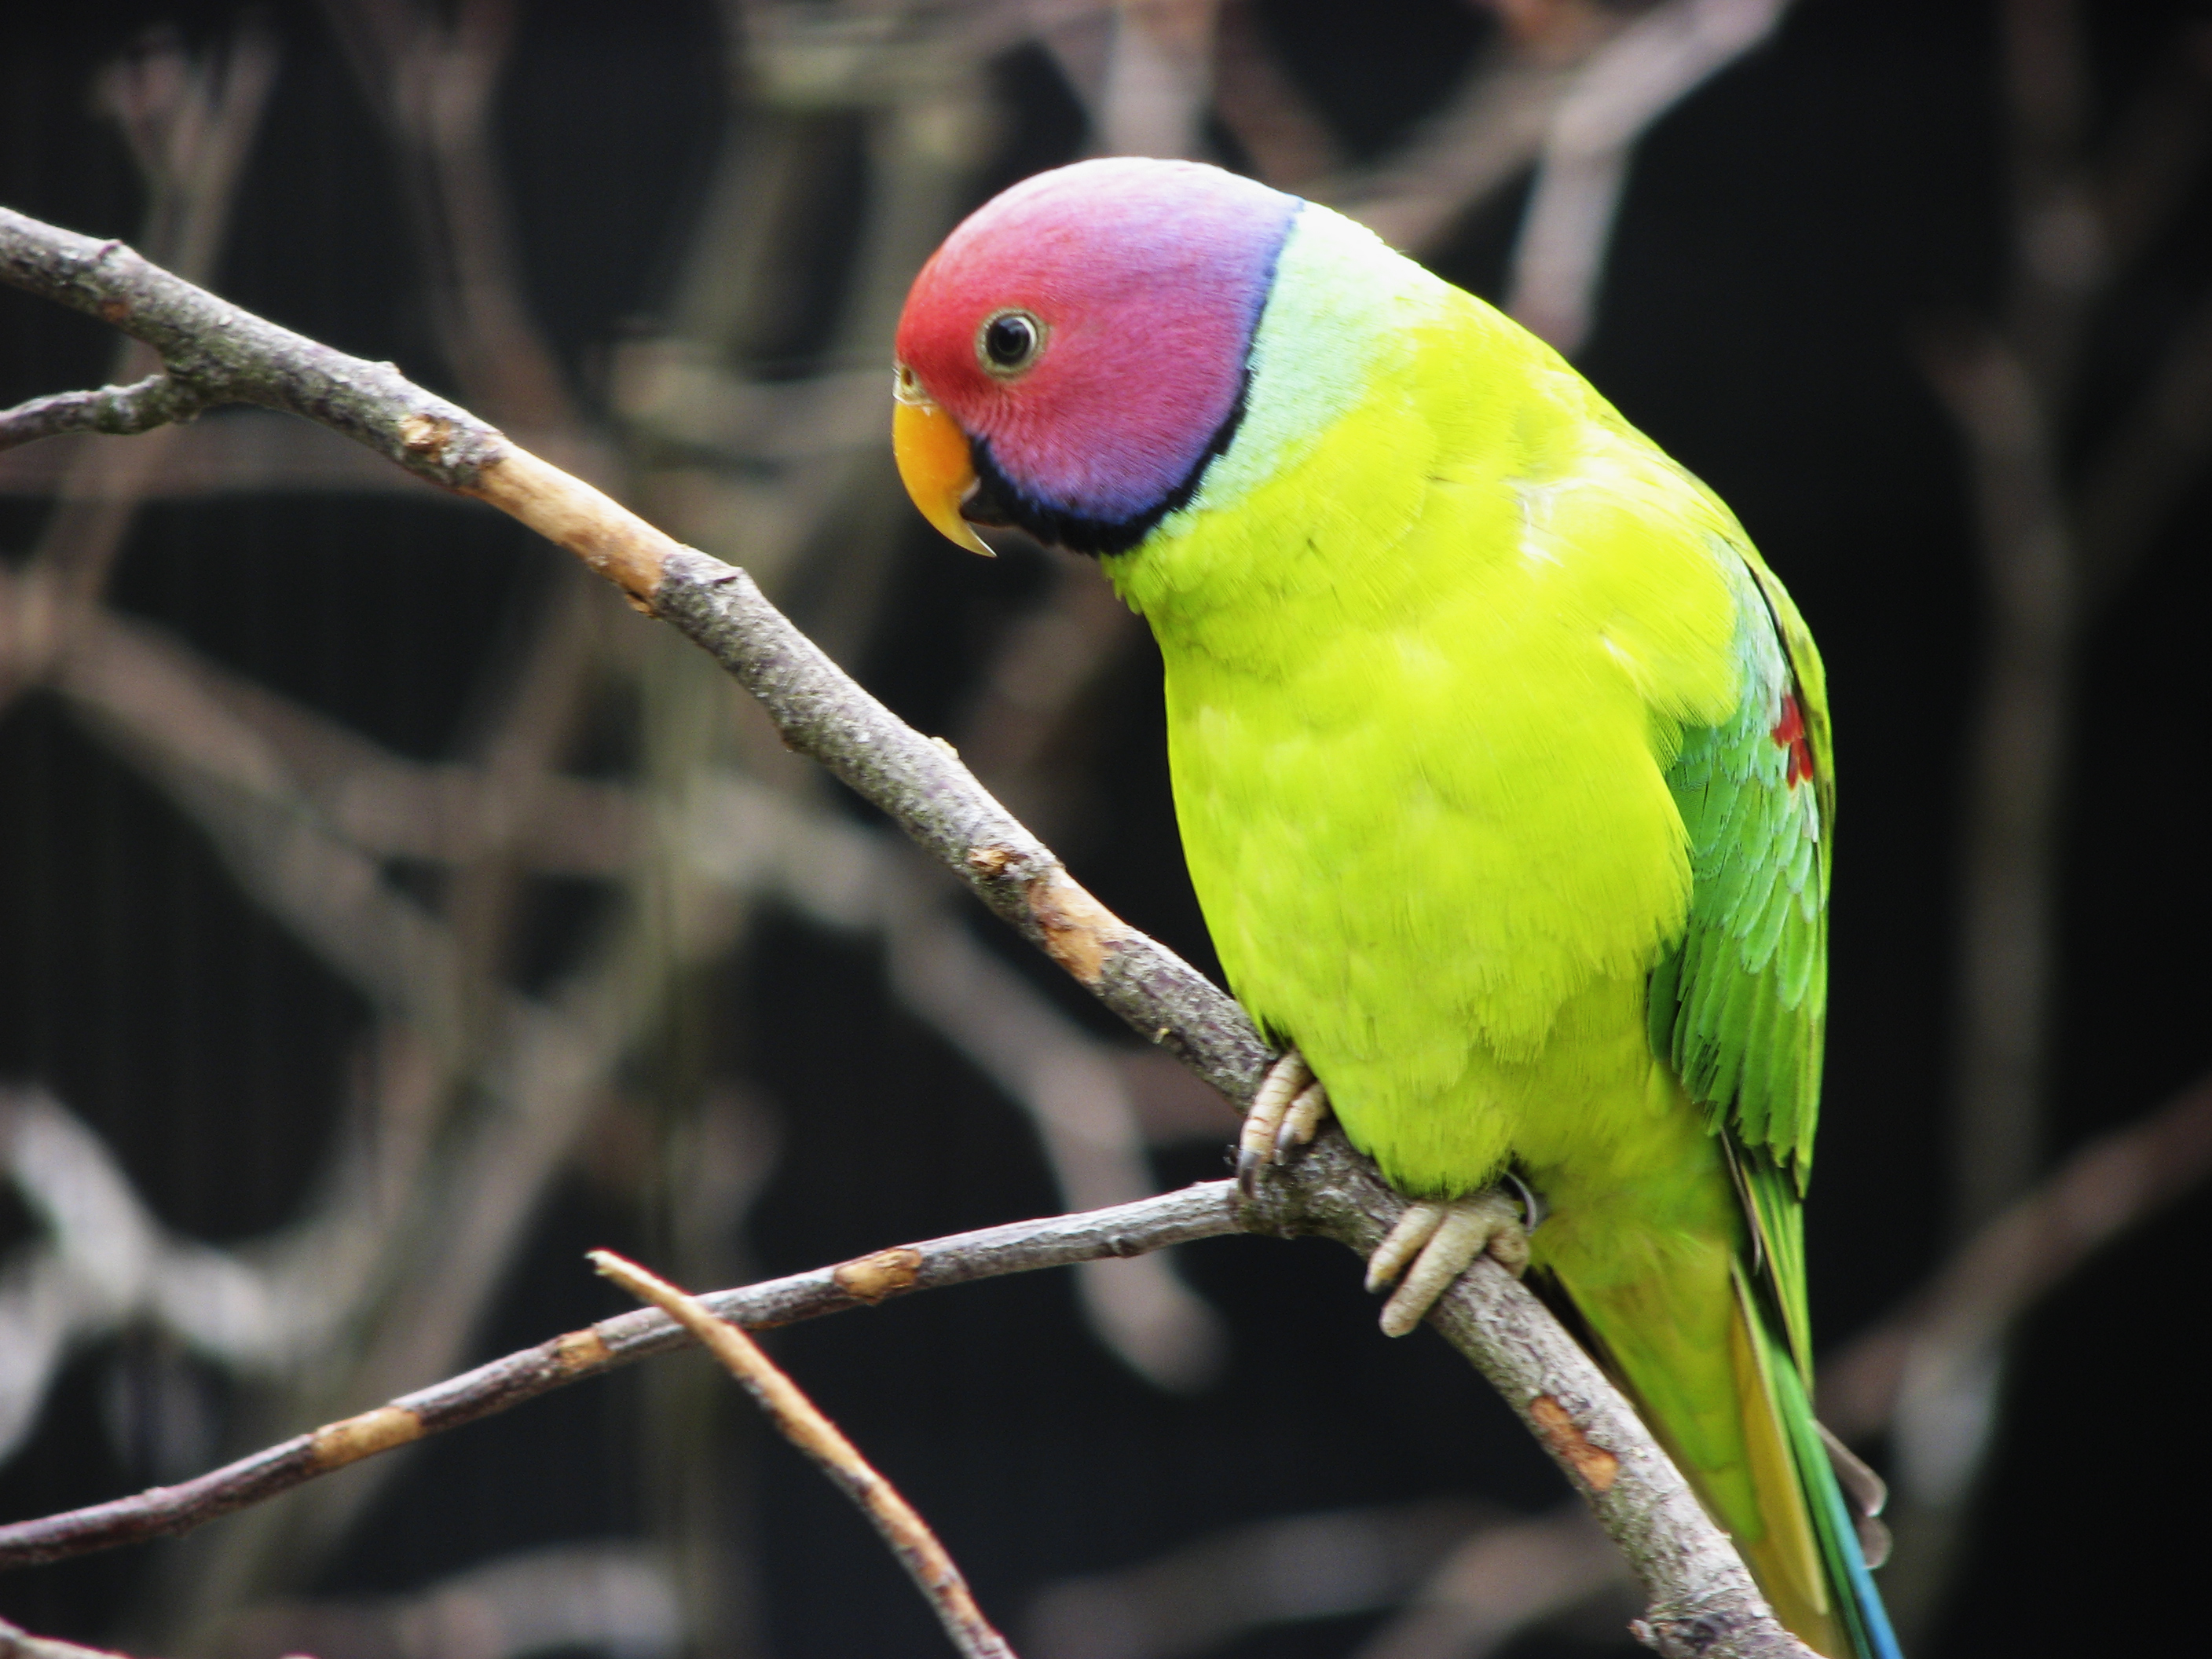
[[1086, 333]]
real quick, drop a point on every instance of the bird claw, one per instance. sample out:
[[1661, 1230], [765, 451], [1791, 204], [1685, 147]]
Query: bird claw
[[1440, 1238], [1286, 1113]]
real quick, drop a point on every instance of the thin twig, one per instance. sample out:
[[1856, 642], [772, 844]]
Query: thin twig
[[800, 1421], [157, 400]]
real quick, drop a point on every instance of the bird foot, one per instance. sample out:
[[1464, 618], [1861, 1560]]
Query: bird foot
[[1440, 1238], [1286, 1113]]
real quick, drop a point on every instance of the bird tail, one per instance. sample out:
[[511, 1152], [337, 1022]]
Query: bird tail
[[1693, 1343], [1856, 1614]]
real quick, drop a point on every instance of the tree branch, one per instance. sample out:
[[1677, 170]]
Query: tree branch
[[2108, 1187], [1698, 1604], [1701, 1600], [800, 1421], [120, 409], [1152, 1224]]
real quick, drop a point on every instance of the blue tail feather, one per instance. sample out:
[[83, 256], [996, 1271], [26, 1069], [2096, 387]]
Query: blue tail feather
[[1848, 1577]]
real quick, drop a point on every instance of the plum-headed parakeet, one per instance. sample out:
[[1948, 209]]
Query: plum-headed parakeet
[[1502, 763]]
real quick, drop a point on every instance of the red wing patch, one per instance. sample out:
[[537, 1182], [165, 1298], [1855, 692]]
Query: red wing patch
[[1789, 734]]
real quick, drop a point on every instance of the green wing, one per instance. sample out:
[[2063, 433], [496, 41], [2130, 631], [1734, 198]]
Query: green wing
[[1740, 1004]]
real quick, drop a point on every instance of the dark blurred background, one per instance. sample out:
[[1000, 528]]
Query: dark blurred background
[[387, 914]]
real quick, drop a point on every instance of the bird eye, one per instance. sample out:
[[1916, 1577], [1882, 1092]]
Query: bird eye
[[1009, 341]]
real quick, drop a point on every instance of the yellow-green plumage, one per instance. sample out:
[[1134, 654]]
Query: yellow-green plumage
[[1479, 723]]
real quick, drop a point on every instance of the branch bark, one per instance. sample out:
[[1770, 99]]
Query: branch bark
[[1152, 1224], [1701, 1600], [157, 400]]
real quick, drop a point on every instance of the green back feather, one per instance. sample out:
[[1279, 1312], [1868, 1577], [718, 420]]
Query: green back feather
[[1740, 1006]]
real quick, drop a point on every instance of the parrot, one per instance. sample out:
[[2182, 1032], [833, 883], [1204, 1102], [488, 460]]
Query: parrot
[[1502, 765]]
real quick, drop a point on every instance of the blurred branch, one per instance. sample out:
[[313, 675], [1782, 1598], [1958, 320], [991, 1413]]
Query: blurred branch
[[189, 121], [2140, 473], [613, 1598], [283, 791], [1490, 132], [801, 1422], [154, 700], [1159, 78], [1958, 1322], [1572, 90], [2017, 767], [16, 1643], [1029, 691], [2158, 148], [104, 1261], [2054, 553], [1620, 94], [1501, 1581], [363, 1267], [430, 73], [1224, 1584], [1702, 1598], [2005, 384], [1284, 138]]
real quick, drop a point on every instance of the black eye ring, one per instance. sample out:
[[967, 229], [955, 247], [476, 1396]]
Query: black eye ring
[[1009, 341]]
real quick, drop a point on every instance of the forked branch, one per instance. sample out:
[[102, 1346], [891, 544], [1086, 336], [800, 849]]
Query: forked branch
[[157, 400]]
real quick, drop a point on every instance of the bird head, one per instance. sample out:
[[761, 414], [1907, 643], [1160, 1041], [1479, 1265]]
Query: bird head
[[1075, 355]]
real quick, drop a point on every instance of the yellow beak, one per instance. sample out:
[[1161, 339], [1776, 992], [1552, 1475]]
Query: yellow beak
[[937, 467]]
